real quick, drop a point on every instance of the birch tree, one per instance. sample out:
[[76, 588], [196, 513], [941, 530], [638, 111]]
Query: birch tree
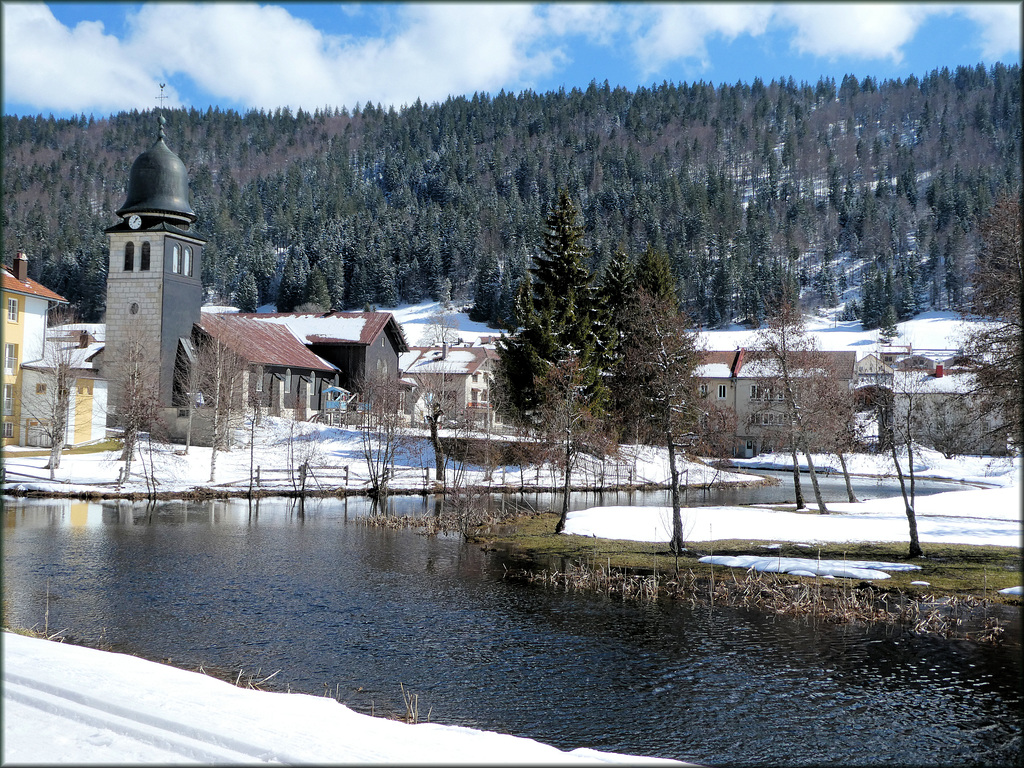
[[790, 357]]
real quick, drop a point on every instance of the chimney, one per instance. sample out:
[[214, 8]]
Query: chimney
[[21, 267], [83, 340], [938, 371], [444, 350]]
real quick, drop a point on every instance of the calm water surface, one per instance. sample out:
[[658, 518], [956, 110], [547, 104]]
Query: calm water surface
[[333, 603]]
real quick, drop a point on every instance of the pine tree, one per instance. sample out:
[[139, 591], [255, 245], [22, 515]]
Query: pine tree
[[557, 318], [316, 290], [247, 297]]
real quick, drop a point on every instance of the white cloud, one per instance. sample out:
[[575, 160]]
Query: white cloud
[[999, 26], [864, 30], [48, 66], [665, 33], [262, 56]]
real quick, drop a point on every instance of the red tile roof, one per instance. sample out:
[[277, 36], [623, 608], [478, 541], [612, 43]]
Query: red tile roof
[[29, 286], [262, 343]]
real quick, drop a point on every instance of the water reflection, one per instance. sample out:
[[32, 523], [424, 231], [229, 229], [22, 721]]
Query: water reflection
[[362, 609]]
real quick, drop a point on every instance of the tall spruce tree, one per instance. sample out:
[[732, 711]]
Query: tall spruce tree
[[556, 311]]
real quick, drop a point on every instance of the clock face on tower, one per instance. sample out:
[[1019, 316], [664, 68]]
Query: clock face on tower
[[134, 221]]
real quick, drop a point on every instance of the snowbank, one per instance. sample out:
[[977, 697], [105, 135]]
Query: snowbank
[[805, 566], [73, 705]]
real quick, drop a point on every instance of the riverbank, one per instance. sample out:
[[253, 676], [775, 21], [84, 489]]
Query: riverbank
[[66, 704]]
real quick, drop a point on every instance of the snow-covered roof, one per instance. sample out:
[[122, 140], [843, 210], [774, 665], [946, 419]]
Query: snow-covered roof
[[453, 360], [713, 371], [923, 382], [361, 328]]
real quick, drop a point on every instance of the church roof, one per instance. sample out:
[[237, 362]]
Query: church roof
[[158, 183], [337, 328], [262, 343]]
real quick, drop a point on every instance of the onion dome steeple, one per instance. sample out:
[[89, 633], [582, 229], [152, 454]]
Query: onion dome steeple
[[158, 183]]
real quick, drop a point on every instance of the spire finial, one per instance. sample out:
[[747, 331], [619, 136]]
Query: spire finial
[[161, 98]]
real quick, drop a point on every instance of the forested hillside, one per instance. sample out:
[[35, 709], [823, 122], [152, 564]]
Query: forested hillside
[[865, 191]]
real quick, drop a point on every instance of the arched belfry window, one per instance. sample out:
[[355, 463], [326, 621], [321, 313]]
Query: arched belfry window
[[176, 259], [129, 256], [144, 261], [186, 266]]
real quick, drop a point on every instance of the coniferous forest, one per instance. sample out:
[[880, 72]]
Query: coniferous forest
[[864, 193]]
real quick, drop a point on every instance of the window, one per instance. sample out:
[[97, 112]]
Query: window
[[8, 429], [721, 391], [476, 377], [8, 399], [703, 390], [12, 309], [144, 261], [129, 256], [483, 395], [753, 392], [40, 388], [10, 358], [186, 266], [176, 259]]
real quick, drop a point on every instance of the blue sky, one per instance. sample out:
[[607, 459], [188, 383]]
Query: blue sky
[[100, 58]]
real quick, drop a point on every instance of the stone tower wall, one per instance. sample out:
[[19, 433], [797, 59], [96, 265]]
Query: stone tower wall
[[125, 289]]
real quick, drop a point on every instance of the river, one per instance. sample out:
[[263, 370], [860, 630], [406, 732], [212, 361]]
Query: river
[[337, 605]]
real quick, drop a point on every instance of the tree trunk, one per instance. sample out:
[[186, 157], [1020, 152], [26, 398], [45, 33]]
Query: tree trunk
[[822, 509], [565, 486], [846, 477], [796, 477], [915, 545], [676, 544], [439, 458]]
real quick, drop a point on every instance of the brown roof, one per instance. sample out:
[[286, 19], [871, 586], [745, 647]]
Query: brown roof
[[30, 287], [262, 343]]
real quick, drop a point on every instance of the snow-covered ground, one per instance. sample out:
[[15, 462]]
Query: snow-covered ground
[[64, 704]]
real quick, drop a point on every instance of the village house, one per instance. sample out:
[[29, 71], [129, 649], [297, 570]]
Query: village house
[[464, 375], [78, 347], [31, 351], [734, 382]]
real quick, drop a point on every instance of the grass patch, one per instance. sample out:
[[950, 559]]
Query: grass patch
[[950, 569], [78, 450]]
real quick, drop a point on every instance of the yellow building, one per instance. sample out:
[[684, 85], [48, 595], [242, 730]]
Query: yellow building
[[25, 306], [26, 343]]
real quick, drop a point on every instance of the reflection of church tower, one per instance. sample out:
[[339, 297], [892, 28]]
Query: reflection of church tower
[[154, 290]]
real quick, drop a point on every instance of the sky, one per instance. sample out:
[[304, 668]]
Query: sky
[[67, 59]]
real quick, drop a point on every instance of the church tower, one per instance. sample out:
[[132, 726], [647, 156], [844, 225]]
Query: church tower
[[154, 287]]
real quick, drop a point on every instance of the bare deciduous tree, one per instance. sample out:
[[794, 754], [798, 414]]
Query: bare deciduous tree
[[791, 360], [382, 432], [138, 407], [901, 408], [220, 377], [995, 351], [55, 375], [661, 354], [568, 421]]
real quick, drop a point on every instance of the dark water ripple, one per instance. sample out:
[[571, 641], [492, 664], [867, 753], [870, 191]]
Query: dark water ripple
[[361, 610]]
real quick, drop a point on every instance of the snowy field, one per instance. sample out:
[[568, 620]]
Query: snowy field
[[77, 706]]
